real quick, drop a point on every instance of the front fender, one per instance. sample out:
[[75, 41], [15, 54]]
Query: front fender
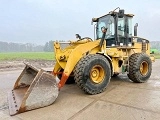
[[76, 54], [109, 59]]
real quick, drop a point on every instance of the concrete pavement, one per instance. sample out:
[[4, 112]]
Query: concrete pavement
[[122, 100]]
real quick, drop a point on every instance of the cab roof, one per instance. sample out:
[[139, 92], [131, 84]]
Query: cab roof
[[129, 15], [111, 13]]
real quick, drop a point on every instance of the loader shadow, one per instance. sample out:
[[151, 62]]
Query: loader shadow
[[114, 81], [123, 78]]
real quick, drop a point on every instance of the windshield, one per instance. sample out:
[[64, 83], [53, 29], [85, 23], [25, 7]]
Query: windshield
[[107, 22]]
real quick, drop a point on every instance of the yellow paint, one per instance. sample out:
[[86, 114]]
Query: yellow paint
[[68, 58], [97, 74], [144, 68]]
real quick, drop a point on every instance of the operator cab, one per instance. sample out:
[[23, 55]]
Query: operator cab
[[119, 28]]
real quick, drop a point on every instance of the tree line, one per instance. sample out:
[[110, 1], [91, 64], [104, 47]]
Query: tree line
[[27, 47], [47, 47], [18, 47], [155, 45]]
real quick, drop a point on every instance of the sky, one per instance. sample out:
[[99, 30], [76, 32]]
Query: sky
[[39, 21]]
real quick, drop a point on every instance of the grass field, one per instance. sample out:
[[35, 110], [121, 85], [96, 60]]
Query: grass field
[[157, 56], [27, 55], [34, 56]]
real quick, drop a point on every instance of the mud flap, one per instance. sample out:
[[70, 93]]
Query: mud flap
[[33, 89]]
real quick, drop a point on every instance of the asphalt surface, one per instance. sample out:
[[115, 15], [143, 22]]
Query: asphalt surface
[[122, 100]]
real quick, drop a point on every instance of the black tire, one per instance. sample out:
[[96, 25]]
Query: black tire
[[140, 67], [115, 75], [70, 80], [96, 67]]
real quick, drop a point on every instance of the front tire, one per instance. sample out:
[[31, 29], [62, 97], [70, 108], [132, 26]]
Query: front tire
[[92, 73], [140, 67]]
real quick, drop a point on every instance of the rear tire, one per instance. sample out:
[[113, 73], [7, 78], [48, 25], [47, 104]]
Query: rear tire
[[92, 73], [140, 67]]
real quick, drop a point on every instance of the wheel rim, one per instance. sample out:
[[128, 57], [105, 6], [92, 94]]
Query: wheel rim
[[144, 68], [97, 74]]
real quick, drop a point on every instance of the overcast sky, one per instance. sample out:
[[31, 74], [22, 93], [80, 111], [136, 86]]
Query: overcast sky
[[38, 21]]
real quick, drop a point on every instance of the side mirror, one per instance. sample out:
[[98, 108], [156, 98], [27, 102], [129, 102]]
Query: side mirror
[[121, 13], [94, 19]]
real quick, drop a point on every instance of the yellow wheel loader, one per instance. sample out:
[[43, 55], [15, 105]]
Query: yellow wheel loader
[[89, 63]]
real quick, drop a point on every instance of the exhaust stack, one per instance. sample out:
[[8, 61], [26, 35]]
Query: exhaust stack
[[135, 29]]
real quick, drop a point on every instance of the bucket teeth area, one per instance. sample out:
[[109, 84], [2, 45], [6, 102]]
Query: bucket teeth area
[[33, 89]]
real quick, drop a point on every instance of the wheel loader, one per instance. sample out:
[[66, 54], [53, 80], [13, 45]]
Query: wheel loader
[[89, 63]]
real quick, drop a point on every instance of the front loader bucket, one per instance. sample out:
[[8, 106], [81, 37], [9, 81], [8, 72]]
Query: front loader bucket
[[33, 89]]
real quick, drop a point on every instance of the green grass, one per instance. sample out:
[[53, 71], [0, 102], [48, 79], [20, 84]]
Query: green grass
[[34, 56], [27, 55], [157, 56]]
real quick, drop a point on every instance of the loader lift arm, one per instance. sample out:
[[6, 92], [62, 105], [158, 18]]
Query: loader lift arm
[[74, 56]]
